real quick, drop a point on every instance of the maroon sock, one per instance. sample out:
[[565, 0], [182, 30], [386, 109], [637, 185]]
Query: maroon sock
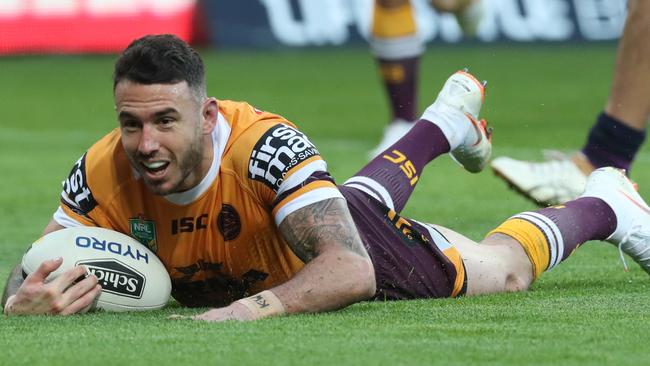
[[398, 168], [612, 143], [400, 80], [573, 223], [550, 235]]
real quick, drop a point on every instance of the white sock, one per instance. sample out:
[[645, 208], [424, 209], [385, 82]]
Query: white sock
[[455, 125]]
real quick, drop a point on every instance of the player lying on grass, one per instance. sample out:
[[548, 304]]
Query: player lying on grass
[[241, 210]]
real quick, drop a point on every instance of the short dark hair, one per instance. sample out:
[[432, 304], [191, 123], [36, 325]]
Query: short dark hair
[[160, 59]]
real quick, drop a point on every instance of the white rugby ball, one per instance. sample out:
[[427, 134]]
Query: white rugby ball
[[132, 277]]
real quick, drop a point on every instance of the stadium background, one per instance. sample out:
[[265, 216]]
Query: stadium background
[[64, 26], [548, 63]]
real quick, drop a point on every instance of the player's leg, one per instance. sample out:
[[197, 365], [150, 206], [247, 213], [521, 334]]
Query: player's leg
[[397, 49], [498, 264], [449, 124], [468, 13], [517, 252], [617, 134]]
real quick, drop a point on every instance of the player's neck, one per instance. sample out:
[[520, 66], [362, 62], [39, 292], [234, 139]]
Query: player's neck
[[208, 157], [198, 174]]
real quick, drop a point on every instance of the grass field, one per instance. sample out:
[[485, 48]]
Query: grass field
[[587, 311]]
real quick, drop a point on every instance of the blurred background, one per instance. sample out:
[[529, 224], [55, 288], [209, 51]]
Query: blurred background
[[101, 26]]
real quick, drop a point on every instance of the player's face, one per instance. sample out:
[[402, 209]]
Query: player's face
[[166, 133]]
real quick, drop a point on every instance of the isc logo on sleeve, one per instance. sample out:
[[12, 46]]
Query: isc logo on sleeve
[[76, 194], [279, 150]]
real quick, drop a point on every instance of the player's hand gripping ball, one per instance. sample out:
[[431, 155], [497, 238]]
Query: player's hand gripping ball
[[132, 277]]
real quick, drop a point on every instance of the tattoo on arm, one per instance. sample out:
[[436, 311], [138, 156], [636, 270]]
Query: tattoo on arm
[[13, 283], [323, 222]]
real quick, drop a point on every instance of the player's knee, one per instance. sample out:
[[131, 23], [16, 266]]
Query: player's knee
[[519, 274], [515, 282], [514, 263]]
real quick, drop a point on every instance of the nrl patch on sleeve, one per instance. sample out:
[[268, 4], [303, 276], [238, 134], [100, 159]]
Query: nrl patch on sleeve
[[76, 193], [279, 150]]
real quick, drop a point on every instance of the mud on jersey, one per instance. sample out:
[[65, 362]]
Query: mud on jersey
[[219, 241]]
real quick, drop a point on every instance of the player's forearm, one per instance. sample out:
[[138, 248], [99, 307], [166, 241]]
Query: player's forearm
[[338, 270], [331, 281], [13, 283]]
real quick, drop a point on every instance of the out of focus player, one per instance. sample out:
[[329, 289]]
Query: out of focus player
[[397, 48], [239, 206], [615, 137]]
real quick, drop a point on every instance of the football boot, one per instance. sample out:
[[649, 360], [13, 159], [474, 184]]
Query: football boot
[[546, 183], [463, 92], [632, 234]]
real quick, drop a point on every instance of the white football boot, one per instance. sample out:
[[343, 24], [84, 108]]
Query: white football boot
[[393, 132], [632, 234], [456, 111], [546, 183]]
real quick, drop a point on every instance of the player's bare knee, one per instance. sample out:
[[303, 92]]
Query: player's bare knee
[[519, 275], [516, 282], [515, 264]]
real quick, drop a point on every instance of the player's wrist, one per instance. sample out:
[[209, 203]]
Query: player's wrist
[[8, 305], [263, 305]]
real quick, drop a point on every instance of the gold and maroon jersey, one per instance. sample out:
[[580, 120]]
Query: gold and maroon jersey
[[220, 240]]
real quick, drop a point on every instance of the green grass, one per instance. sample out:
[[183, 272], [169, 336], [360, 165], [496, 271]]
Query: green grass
[[587, 311]]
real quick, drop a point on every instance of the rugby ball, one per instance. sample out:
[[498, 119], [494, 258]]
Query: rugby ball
[[132, 277]]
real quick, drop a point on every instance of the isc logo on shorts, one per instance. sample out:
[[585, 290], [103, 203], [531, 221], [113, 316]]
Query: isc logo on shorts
[[276, 152], [76, 194]]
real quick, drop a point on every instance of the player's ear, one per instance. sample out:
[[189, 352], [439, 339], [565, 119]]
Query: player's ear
[[209, 114]]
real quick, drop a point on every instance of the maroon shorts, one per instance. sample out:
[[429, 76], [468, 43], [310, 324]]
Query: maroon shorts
[[411, 259]]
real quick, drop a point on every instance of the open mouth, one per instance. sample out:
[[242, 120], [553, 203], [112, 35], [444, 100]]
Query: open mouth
[[155, 169]]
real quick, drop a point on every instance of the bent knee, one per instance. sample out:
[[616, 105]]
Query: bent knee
[[515, 282], [493, 270]]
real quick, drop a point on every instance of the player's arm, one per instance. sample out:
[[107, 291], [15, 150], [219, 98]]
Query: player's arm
[[61, 296], [338, 270], [13, 284], [337, 273], [283, 168], [16, 276]]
